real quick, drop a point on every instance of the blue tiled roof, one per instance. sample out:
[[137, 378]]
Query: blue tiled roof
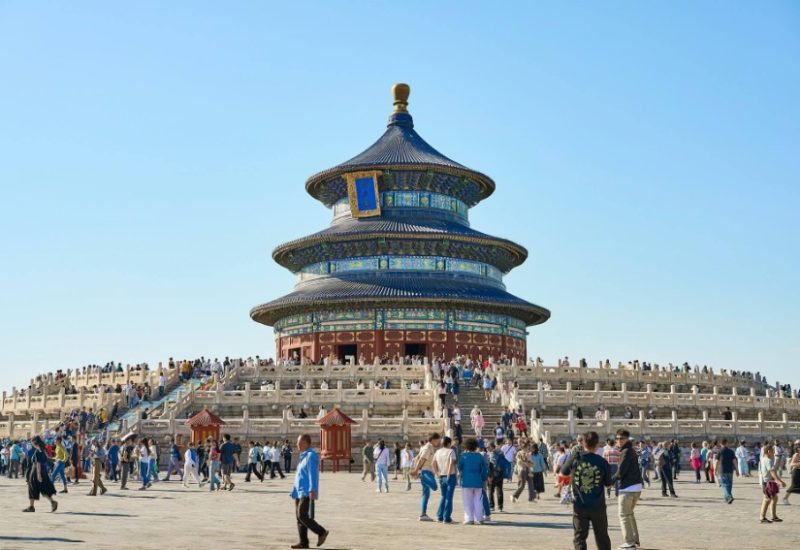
[[400, 147], [359, 228], [392, 291]]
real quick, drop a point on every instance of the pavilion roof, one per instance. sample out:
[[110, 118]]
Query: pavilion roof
[[335, 418], [205, 418]]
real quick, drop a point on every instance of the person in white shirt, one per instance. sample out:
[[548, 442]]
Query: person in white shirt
[[275, 456], [457, 414], [162, 385], [190, 466], [382, 457], [324, 385], [266, 452], [444, 467], [322, 412], [406, 460]]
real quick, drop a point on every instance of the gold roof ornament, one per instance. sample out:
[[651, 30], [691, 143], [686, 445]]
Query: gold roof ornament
[[400, 92]]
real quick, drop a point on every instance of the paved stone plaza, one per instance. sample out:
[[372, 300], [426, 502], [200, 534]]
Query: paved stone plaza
[[260, 515]]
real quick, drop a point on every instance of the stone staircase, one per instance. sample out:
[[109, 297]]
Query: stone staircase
[[472, 395]]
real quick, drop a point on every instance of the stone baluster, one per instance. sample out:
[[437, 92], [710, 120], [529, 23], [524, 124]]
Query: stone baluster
[[284, 422], [761, 430], [623, 387], [245, 420], [570, 399], [248, 391], [540, 392], [675, 429], [364, 423], [571, 422]]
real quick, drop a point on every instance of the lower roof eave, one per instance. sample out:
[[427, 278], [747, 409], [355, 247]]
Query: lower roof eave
[[269, 313]]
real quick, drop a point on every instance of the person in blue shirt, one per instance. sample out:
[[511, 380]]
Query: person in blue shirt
[[305, 491], [113, 459], [474, 472]]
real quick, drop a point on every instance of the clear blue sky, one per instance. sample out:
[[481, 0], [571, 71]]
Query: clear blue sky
[[153, 154]]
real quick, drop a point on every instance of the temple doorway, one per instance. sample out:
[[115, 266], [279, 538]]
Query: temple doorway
[[415, 349], [342, 352]]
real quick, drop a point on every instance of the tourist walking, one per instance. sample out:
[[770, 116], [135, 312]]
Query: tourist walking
[[406, 461], [228, 462], [474, 473], [127, 461], [98, 454], [628, 478], [742, 454], [382, 457], [538, 467], [287, 457], [496, 478], [190, 466], [174, 461], [794, 474], [725, 467], [61, 457], [423, 468], [253, 460], [39, 483], [368, 462], [305, 491], [522, 469], [444, 467], [663, 460], [213, 465], [590, 476], [771, 484], [276, 461], [695, 461], [144, 463]]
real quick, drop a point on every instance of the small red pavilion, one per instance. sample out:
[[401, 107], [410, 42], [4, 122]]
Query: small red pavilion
[[205, 424], [335, 439]]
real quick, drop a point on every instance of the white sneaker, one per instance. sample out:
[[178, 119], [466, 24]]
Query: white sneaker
[[626, 546], [425, 517]]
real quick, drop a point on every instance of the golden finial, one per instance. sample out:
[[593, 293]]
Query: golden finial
[[400, 93]]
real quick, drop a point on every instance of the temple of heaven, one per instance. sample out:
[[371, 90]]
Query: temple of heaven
[[399, 272]]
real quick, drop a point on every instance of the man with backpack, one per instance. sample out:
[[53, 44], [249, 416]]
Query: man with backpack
[[591, 476], [497, 470]]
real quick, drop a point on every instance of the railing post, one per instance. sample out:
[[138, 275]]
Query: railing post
[[364, 423], [571, 422], [674, 422], [247, 393], [705, 421], [623, 387]]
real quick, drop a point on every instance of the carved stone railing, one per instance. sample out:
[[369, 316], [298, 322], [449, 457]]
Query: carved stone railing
[[645, 399], [549, 428], [281, 427]]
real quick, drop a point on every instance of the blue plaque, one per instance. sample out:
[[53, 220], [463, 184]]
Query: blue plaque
[[362, 191]]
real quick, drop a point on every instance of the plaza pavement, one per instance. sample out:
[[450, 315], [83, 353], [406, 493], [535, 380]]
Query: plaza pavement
[[261, 515]]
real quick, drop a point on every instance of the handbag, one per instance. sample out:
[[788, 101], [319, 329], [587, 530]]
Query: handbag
[[771, 488]]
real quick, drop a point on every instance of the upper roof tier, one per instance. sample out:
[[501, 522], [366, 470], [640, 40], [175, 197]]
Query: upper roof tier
[[400, 148]]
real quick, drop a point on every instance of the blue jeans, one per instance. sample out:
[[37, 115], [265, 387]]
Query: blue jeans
[[448, 487], [58, 472], [383, 476], [726, 480], [426, 491], [212, 474], [113, 469], [144, 473], [487, 511]]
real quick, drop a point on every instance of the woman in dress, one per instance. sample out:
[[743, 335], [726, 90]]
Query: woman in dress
[[39, 482], [794, 472], [770, 478]]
